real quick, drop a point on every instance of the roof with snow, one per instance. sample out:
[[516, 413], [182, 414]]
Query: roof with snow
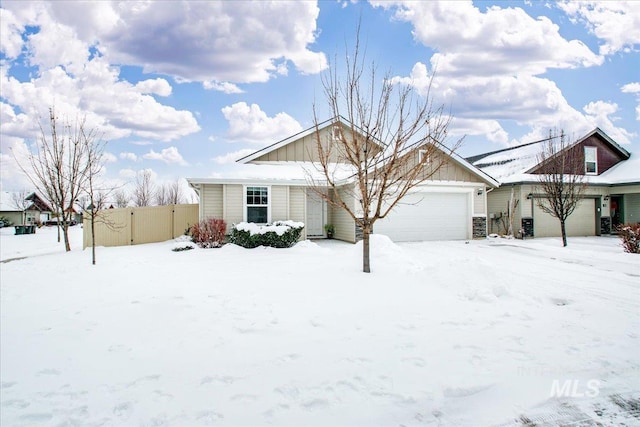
[[514, 164]]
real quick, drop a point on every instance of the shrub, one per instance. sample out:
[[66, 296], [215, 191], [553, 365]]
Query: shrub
[[181, 248], [630, 235], [280, 234], [208, 233]]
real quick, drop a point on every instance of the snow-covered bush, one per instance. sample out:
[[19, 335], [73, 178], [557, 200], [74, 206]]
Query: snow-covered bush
[[630, 235], [209, 233], [280, 234]]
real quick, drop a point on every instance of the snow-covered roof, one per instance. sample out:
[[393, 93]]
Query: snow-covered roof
[[302, 173], [512, 165]]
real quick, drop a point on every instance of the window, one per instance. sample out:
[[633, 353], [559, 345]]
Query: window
[[421, 154], [590, 160], [257, 204]]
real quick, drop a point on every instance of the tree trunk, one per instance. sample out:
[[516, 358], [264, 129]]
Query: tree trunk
[[65, 233], [564, 233], [58, 227], [93, 238], [366, 265]]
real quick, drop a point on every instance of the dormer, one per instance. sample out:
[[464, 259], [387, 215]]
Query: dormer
[[599, 153]]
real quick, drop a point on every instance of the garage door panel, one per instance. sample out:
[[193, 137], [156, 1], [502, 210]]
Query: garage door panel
[[582, 222], [428, 216]]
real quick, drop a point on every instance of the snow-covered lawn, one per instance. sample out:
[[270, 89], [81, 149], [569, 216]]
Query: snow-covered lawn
[[440, 334]]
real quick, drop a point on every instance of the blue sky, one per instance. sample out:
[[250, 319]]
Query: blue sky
[[185, 88]]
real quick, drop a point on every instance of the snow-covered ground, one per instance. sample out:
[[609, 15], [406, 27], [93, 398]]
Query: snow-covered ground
[[482, 333]]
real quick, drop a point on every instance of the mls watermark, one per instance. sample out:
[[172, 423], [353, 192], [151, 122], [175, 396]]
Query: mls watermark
[[575, 388]]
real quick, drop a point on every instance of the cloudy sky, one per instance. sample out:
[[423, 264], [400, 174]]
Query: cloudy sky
[[185, 88]]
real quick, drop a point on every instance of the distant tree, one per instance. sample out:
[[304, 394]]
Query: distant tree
[[20, 202], [144, 189], [395, 142], [170, 194], [121, 198], [561, 180], [59, 166]]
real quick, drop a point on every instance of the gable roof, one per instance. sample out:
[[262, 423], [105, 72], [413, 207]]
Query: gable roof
[[293, 138], [515, 164]]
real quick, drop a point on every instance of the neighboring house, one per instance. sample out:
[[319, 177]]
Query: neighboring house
[[612, 196], [450, 205], [36, 209]]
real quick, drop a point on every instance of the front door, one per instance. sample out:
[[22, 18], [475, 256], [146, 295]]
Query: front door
[[616, 212], [315, 215]]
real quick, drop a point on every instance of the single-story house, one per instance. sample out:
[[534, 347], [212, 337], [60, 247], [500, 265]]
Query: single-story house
[[452, 204], [612, 195], [31, 210]]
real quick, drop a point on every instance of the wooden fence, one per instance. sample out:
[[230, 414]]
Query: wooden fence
[[134, 226]]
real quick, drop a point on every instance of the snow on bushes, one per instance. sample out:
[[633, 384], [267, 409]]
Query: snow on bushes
[[208, 233], [630, 235], [280, 234]]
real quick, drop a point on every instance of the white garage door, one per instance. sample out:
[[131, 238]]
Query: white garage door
[[582, 222], [428, 216]]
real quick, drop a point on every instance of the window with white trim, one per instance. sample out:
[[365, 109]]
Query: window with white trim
[[591, 160], [421, 154], [257, 204]]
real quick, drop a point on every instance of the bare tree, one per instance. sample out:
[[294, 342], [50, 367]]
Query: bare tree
[[170, 194], [58, 167], [162, 195], [561, 180], [394, 141], [96, 196], [121, 198], [20, 202], [144, 189]]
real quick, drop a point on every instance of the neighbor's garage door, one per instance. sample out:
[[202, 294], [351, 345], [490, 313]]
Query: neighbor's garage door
[[582, 222], [428, 216]]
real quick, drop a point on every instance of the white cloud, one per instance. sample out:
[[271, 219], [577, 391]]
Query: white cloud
[[233, 156], [225, 87], [600, 112], [77, 85], [631, 88], [490, 64], [157, 86], [14, 156], [127, 174], [109, 158], [238, 42], [129, 156], [168, 155], [617, 23], [500, 40], [10, 34], [251, 124]]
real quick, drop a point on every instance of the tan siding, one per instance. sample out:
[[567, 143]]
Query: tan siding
[[304, 149], [342, 221], [297, 206], [279, 203], [631, 208], [234, 203], [498, 204], [211, 200], [478, 201], [625, 189]]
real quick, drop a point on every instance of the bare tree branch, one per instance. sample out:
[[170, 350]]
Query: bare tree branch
[[393, 142], [561, 180]]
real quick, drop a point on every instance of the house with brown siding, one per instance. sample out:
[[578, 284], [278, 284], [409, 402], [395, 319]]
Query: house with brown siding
[[612, 195], [452, 204]]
